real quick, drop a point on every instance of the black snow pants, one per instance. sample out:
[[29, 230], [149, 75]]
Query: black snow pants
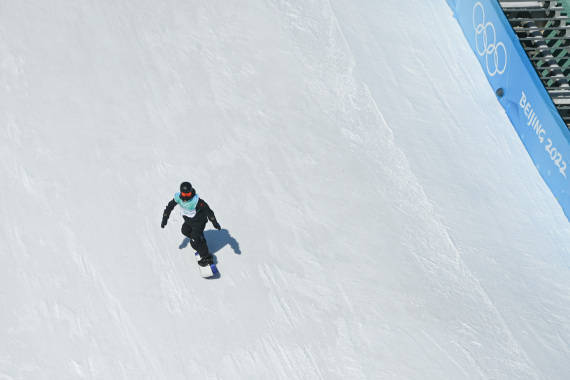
[[195, 232]]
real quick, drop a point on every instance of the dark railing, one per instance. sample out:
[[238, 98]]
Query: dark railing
[[543, 28]]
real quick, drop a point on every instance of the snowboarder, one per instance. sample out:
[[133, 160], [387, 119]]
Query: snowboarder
[[196, 214]]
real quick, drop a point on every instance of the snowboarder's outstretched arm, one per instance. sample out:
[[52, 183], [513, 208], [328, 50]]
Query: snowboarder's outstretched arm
[[167, 211], [210, 214]]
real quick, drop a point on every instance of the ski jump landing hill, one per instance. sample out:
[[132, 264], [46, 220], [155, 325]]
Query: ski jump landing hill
[[519, 90]]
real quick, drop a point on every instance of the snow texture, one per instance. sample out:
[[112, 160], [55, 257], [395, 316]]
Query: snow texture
[[381, 219]]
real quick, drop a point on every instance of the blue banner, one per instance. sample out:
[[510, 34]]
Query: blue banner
[[520, 91]]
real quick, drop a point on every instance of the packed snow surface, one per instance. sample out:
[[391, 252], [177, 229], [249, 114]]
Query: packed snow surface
[[381, 219]]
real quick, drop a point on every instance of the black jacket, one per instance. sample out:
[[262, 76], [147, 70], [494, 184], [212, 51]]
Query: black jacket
[[203, 214]]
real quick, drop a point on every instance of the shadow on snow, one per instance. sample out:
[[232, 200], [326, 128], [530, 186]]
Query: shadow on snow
[[216, 241]]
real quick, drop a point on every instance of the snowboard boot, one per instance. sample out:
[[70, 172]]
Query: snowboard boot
[[206, 260]]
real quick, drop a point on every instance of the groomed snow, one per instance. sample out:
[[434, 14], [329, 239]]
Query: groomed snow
[[381, 218]]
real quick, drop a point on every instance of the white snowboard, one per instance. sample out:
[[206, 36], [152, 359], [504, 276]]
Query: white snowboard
[[208, 270]]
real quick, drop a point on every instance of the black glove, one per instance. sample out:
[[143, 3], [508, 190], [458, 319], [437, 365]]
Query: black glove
[[164, 220], [216, 225]]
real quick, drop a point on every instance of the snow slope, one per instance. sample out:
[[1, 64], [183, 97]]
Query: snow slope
[[381, 218]]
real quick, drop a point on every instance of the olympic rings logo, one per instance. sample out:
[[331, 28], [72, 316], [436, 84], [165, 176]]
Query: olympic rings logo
[[486, 42]]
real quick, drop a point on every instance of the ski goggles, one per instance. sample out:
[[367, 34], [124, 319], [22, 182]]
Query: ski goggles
[[186, 195]]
